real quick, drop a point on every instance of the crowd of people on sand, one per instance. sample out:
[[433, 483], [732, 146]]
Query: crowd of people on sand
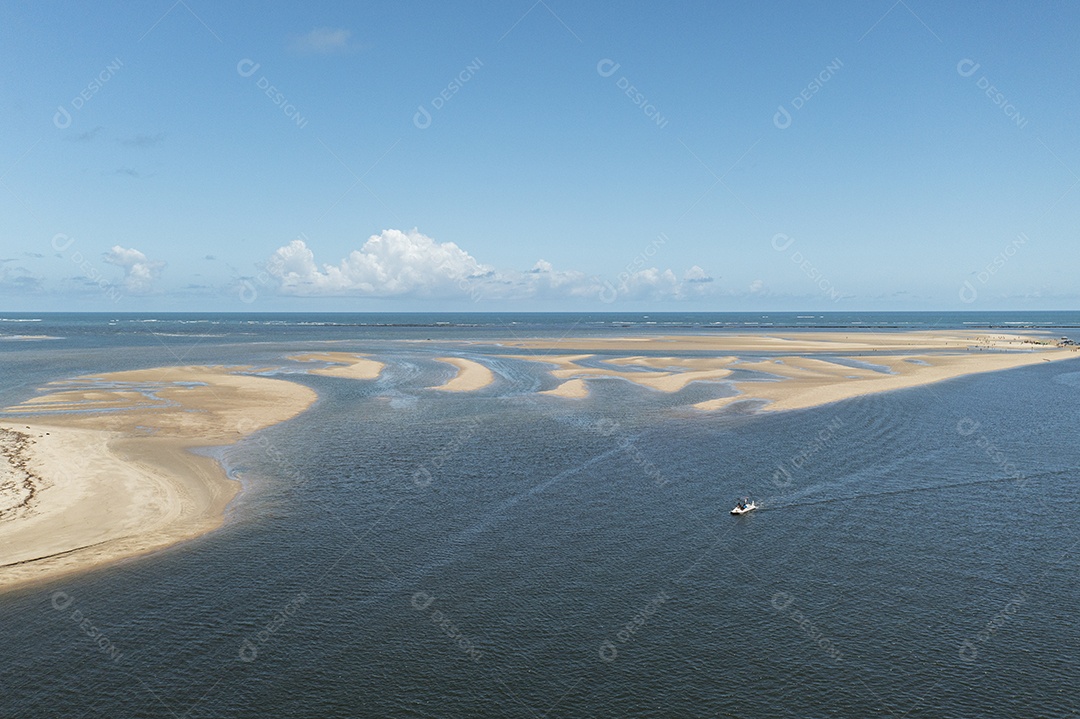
[[995, 343], [18, 483]]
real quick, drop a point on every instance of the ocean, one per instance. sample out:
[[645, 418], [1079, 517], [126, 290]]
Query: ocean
[[397, 552]]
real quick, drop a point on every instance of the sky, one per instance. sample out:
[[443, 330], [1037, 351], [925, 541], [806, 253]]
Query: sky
[[539, 155]]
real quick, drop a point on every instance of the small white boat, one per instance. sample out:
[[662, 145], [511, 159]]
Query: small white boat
[[743, 507]]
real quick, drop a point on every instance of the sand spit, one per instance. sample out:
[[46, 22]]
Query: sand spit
[[100, 469]]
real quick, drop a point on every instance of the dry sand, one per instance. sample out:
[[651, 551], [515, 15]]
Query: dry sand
[[811, 382], [683, 372], [101, 470], [573, 389], [353, 366], [470, 376], [793, 342], [916, 358]]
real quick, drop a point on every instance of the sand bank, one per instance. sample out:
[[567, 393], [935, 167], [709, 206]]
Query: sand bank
[[809, 382], [682, 371], [883, 362], [470, 376], [573, 389], [793, 342], [352, 366], [100, 469]]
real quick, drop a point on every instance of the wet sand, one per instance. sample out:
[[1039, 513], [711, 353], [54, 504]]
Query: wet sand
[[100, 469]]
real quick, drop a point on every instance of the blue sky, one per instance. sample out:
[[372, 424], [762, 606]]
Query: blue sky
[[538, 156]]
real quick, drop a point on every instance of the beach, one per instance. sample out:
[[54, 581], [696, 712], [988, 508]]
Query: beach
[[100, 469]]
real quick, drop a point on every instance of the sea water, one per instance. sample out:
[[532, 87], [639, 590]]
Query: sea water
[[403, 552]]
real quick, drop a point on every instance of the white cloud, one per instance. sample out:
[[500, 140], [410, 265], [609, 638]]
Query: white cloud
[[655, 284], [389, 264], [399, 264], [757, 287], [324, 41], [648, 283], [140, 272], [696, 274]]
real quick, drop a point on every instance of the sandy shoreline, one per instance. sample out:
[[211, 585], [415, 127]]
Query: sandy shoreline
[[105, 471]]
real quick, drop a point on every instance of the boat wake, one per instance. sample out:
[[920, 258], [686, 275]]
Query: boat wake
[[910, 490]]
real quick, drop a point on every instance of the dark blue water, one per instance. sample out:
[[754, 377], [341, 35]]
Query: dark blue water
[[403, 552]]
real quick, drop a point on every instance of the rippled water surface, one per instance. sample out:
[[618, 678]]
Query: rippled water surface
[[409, 553]]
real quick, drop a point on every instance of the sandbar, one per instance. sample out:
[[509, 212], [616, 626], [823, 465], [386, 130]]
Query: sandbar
[[806, 368], [470, 375], [347, 364], [647, 372], [573, 389], [100, 469], [794, 342], [809, 382]]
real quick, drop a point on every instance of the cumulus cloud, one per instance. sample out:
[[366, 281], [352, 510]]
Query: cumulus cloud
[[140, 272], [324, 41], [410, 264], [653, 283], [389, 264]]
